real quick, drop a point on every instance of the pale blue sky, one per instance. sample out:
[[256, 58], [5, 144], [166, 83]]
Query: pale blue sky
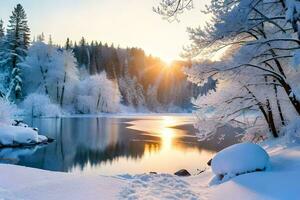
[[123, 22]]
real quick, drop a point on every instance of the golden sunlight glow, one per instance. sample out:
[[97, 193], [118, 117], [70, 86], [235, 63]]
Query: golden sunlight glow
[[160, 152], [169, 121], [167, 136], [168, 62], [161, 128]]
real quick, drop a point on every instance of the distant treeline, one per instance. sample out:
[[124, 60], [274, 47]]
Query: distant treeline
[[153, 84]]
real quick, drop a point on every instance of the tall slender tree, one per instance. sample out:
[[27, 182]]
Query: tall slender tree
[[1, 29], [17, 43], [2, 58]]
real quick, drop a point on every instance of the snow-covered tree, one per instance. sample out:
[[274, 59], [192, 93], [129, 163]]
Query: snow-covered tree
[[132, 91], [97, 94], [257, 73], [151, 98], [38, 105], [16, 43], [3, 72], [170, 9], [55, 72], [2, 31], [8, 111]]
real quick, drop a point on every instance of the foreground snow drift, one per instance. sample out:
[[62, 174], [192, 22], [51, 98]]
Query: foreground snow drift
[[24, 183], [239, 159], [280, 181], [19, 135]]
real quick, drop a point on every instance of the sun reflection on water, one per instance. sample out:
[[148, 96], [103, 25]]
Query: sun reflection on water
[[168, 144], [112, 146], [163, 128], [167, 136]]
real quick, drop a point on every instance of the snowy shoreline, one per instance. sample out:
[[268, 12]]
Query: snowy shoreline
[[278, 182], [20, 135]]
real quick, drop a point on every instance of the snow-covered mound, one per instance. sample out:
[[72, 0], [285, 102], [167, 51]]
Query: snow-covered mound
[[238, 159], [19, 135]]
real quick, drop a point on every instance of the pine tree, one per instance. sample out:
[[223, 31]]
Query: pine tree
[[2, 49], [3, 73], [68, 44], [41, 38], [50, 42], [1, 29], [17, 43]]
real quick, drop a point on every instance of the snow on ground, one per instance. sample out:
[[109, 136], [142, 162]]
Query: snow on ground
[[33, 184], [13, 135], [15, 132], [280, 181], [158, 186]]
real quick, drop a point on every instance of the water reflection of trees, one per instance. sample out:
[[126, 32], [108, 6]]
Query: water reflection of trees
[[111, 153], [82, 141]]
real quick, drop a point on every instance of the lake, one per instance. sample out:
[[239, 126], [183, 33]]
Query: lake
[[116, 144]]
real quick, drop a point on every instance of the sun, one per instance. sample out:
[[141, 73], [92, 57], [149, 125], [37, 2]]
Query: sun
[[168, 62]]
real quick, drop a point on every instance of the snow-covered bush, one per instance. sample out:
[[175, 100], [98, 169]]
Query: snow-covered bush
[[8, 111], [97, 94], [292, 131], [51, 71], [38, 105], [239, 159]]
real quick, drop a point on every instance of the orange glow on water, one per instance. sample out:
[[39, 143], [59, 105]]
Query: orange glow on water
[[165, 151]]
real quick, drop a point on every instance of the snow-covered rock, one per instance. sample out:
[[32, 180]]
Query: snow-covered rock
[[16, 135], [40, 105], [238, 159]]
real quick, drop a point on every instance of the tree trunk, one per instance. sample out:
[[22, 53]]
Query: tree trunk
[[98, 101], [278, 104], [57, 91], [63, 90], [287, 88], [271, 122], [44, 80]]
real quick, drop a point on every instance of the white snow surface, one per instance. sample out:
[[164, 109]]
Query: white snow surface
[[280, 181], [158, 186], [18, 183], [239, 158], [19, 135]]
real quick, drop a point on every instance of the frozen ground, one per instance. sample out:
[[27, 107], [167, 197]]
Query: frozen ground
[[281, 181]]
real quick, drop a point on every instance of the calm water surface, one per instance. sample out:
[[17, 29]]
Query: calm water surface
[[112, 145]]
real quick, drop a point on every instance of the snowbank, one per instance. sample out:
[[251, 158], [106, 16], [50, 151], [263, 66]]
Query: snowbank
[[18, 135], [239, 159], [278, 182], [24, 183]]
